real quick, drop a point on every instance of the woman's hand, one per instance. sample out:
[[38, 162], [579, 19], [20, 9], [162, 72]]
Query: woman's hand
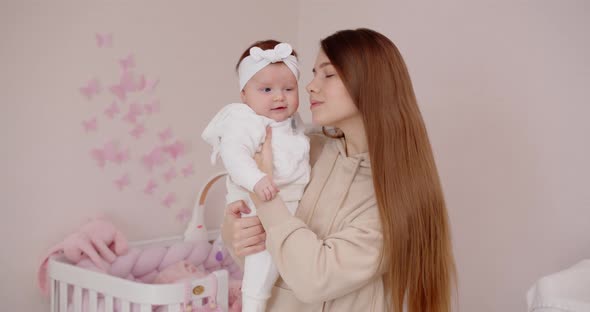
[[245, 236], [264, 158], [264, 161]]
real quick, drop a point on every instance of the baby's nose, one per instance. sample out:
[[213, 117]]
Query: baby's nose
[[279, 97]]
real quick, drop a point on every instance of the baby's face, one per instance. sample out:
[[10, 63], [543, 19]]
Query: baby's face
[[272, 92]]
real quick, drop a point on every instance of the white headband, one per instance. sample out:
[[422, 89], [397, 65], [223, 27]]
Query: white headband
[[258, 59]]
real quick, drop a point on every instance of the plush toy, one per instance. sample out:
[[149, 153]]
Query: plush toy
[[99, 240]]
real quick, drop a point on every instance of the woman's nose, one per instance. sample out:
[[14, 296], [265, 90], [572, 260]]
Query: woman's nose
[[311, 87]]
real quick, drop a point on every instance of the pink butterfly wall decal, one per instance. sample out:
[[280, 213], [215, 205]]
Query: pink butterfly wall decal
[[89, 125], [165, 135], [110, 150], [175, 149], [126, 84], [104, 40], [122, 182], [134, 111], [183, 215], [121, 157], [127, 62], [127, 94], [152, 107], [153, 158], [187, 171], [99, 157], [152, 85], [137, 131], [150, 187], [170, 174], [140, 84], [103, 154], [112, 110], [91, 89], [169, 200]]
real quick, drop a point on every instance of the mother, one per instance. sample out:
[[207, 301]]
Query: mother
[[371, 232]]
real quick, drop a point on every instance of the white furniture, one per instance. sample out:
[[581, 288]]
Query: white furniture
[[93, 291], [565, 291]]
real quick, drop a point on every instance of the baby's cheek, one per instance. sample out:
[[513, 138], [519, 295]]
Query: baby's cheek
[[293, 107]]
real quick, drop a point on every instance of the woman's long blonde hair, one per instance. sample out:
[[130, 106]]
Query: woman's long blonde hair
[[417, 247]]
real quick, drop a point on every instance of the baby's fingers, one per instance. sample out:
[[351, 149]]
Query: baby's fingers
[[261, 193], [276, 188], [267, 194]]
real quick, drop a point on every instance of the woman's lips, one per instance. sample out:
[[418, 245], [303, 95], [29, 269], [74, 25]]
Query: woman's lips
[[315, 104]]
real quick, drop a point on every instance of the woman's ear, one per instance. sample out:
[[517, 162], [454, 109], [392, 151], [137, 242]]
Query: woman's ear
[[243, 96]]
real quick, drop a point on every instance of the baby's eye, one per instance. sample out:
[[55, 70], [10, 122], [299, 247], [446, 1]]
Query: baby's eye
[[289, 89], [266, 90]]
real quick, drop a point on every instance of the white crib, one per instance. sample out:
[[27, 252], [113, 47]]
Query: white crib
[[102, 292]]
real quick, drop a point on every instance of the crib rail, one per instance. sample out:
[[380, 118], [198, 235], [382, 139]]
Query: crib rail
[[85, 287]]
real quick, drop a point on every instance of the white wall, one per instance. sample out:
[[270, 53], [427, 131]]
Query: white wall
[[503, 87]]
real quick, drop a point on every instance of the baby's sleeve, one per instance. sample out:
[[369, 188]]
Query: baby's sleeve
[[238, 145]]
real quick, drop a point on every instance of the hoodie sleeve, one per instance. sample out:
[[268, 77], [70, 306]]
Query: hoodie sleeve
[[240, 141], [317, 269]]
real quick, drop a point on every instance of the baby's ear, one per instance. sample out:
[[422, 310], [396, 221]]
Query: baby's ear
[[243, 96]]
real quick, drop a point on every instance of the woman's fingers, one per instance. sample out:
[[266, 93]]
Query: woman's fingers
[[246, 222], [269, 134], [237, 208], [251, 250], [247, 240], [246, 233], [250, 241], [264, 158]]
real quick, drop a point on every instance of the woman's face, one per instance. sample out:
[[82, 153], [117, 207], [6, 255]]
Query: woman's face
[[331, 105]]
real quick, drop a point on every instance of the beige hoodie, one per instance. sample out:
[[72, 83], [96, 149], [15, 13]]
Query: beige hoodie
[[328, 254]]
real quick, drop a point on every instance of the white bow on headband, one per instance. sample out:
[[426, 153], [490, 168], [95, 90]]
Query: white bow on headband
[[258, 59]]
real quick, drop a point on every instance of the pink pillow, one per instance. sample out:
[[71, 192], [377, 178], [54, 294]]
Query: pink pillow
[[177, 272]]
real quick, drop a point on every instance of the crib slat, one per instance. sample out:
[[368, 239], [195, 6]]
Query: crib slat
[[52, 294], [92, 302], [125, 305], [63, 297], [108, 304], [77, 298], [174, 307], [145, 308]]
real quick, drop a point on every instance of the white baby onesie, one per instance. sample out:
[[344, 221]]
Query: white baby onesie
[[236, 134]]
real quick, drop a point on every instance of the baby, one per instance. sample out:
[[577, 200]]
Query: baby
[[268, 74]]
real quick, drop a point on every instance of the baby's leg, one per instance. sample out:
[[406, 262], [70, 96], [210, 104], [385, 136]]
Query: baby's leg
[[260, 275]]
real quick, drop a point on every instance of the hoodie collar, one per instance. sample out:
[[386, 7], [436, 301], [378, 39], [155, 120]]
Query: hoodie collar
[[362, 157]]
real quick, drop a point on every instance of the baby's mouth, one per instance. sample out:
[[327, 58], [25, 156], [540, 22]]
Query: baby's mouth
[[279, 108]]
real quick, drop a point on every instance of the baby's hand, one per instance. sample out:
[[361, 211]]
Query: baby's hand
[[266, 189]]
